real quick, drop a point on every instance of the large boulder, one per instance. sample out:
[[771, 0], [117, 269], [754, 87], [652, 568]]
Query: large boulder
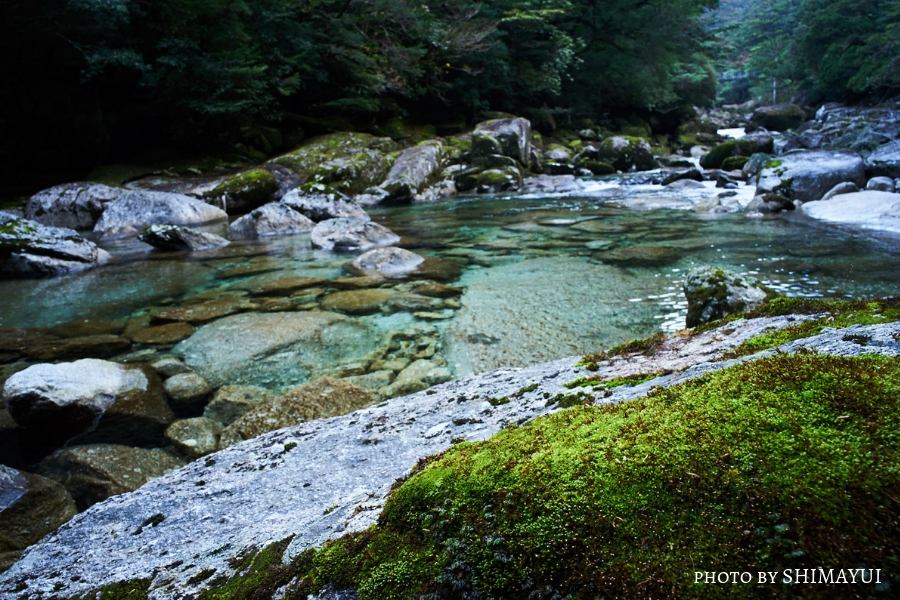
[[275, 218], [29, 249], [885, 161], [867, 209], [504, 137], [178, 237], [320, 202], [72, 205], [386, 262], [275, 350], [131, 212], [31, 506], [713, 293], [349, 235], [349, 162], [94, 472], [744, 147], [319, 399], [414, 170], [627, 153], [781, 117], [243, 192], [97, 399], [809, 176]]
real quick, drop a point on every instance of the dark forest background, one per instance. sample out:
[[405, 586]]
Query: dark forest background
[[90, 82]]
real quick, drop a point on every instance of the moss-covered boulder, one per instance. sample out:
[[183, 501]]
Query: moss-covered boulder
[[735, 163], [781, 117], [790, 462], [490, 181], [595, 166], [627, 153], [506, 137], [713, 293], [747, 146], [241, 193], [349, 162], [29, 249]]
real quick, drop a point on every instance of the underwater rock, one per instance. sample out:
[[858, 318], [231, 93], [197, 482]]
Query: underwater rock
[[385, 262]]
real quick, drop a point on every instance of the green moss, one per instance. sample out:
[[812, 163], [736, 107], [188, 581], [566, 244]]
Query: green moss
[[735, 163], [596, 167], [647, 346], [526, 390], [249, 189], [837, 315], [258, 573], [787, 462], [773, 164], [499, 401], [717, 156], [123, 590], [630, 380]]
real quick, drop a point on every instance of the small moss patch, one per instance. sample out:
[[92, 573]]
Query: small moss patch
[[630, 380], [647, 346]]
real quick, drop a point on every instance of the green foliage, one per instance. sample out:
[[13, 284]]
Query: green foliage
[[791, 461]]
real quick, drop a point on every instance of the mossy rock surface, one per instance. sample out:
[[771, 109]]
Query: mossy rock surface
[[245, 191], [786, 462], [734, 163], [596, 167], [744, 147]]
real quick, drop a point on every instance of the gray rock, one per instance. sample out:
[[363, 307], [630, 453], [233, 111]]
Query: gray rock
[[770, 203], [29, 249], [195, 437], [130, 213], [885, 161], [280, 484], [685, 184], [559, 154], [349, 235], [177, 237], [414, 170], [872, 210], [506, 137], [95, 472], [385, 262], [627, 153], [881, 184], [71, 205], [275, 218], [68, 399], [848, 187], [780, 117], [275, 350], [419, 375], [319, 203], [168, 366], [31, 506], [186, 387], [694, 174], [319, 399], [807, 176], [231, 402], [713, 293]]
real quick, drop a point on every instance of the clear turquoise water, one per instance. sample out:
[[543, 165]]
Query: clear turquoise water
[[537, 284]]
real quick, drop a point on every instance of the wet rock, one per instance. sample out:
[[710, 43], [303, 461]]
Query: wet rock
[[685, 184], [770, 203], [359, 302], [640, 256], [506, 137], [781, 117], [186, 388], [420, 375], [93, 346], [31, 506], [735, 163], [169, 366], [627, 153], [286, 285], [558, 154], [162, 335], [879, 211], [885, 161], [29, 249], [414, 170], [88, 327], [357, 283], [275, 218], [593, 167], [319, 203], [231, 402], [130, 213], [881, 184], [176, 237], [105, 400], [808, 176], [205, 311], [693, 174], [745, 147], [348, 235], [72, 205], [490, 181], [319, 399], [437, 290], [848, 187], [713, 293], [242, 192], [373, 381], [95, 472], [385, 262], [195, 437], [275, 349]]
